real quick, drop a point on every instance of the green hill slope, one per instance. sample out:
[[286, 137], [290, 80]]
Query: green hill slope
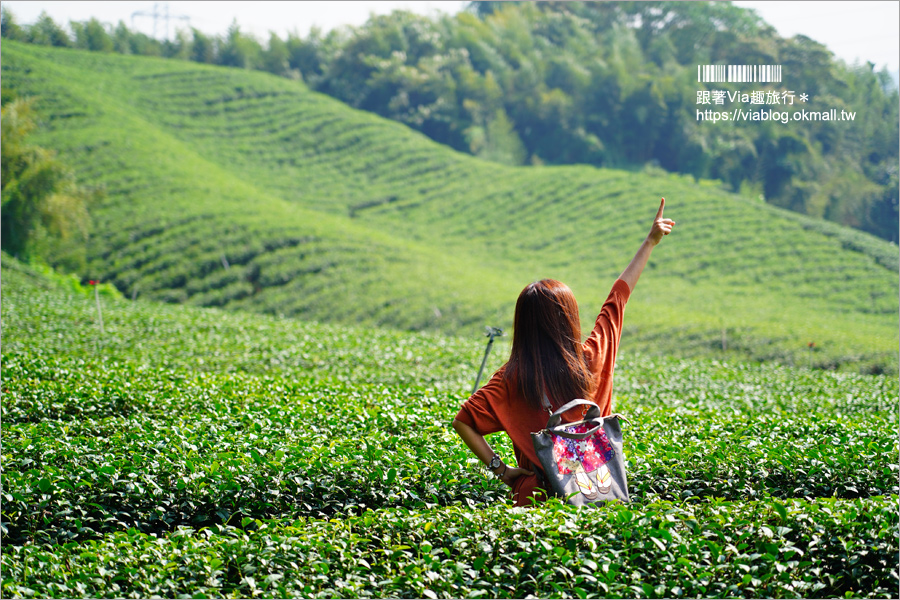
[[238, 189]]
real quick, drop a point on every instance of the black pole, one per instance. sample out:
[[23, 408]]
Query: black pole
[[492, 332]]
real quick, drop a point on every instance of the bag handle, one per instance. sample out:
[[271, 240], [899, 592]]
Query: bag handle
[[561, 432], [593, 412]]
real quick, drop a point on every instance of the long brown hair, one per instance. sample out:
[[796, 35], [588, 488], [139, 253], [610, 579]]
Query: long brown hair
[[546, 350]]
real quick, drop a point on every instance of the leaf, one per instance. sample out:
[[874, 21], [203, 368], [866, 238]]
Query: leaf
[[44, 485], [479, 563], [391, 475], [782, 511]]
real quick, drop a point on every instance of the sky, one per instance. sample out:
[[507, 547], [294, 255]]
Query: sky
[[855, 30], [257, 17]]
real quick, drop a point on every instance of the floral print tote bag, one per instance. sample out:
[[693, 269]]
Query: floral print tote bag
[[583, 461]]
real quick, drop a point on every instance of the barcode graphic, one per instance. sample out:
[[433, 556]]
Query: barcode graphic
[[739, 73]]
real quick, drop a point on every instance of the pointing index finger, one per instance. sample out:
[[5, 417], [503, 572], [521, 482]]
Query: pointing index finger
[[662, 204]]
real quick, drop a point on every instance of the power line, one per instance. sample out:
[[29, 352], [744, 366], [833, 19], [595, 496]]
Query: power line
[[157, 16]]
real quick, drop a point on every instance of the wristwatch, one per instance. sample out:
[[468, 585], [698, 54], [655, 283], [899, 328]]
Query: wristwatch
[[495, 462]]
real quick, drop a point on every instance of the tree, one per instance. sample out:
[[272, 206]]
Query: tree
[[239, 50], [275, 58], [122, 39], [203, 48], [305, 56], [47, 33], [9, 29], [43, 212], [92, 35], [182, 47], [497, 140]]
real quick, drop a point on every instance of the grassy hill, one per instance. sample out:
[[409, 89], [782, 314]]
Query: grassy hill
[[238, 189]]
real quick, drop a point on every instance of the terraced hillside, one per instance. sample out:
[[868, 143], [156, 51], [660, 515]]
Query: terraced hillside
[[238, 189]]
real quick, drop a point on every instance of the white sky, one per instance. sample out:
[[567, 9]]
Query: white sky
[[854, 30], [258, 17]]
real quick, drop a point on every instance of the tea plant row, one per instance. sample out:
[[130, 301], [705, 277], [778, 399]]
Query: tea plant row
[[833, 548], [91, 447], [193, 451]]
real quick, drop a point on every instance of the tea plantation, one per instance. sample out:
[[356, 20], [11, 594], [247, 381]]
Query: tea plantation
[[244, 190], [292, 305], [201, 453]]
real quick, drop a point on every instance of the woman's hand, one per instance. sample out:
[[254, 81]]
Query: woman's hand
[[513, 473], [477, 444], [661, 226]]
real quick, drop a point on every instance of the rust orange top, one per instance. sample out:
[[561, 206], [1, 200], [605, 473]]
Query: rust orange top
[[500, 407]]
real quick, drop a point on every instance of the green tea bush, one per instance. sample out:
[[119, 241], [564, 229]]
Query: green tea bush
[[798, 549], [215, 454]]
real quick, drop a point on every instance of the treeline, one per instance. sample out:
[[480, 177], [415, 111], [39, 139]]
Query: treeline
[[604, 83]]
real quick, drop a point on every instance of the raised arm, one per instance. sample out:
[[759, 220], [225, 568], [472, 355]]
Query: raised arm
[[661, 227]]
